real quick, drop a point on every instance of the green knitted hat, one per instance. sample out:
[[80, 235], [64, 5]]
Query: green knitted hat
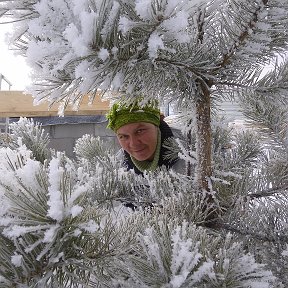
[[121, 114]]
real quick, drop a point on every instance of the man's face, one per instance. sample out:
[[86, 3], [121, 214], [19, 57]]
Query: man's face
[[139, 140]]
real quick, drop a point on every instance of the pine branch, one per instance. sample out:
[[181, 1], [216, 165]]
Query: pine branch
[[269, 192], [32, 136], [243, 232], [242, 38]]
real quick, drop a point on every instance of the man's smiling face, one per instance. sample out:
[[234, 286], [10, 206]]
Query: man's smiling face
[[139, 140]]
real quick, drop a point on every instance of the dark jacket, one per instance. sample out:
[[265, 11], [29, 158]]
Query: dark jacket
[[166, 133]]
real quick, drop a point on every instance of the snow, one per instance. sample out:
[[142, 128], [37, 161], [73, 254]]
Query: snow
[[56, 210], [171, 6], [110, 21], [17, 260], [117, 81], [28, 172], [73, 36], [125, 24], [91, 226], [103, 54], [84, 71], [57, 258], [50, 234], [76, 210], [143, 9], [3, 280], [177, 27], [79, 6], [205, 270], [264, 27], [155, 43], [64, 35], [87, 19], [15, 231], [187, 156], [184, 257], [153, 248]]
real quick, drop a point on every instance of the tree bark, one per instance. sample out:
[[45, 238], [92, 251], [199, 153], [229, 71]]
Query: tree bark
[[204, 154], [204, 139]]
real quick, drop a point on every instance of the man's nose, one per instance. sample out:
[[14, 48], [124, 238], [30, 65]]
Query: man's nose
[[134, 141]]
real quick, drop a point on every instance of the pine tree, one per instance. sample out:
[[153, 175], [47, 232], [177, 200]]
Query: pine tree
[[65, 222]]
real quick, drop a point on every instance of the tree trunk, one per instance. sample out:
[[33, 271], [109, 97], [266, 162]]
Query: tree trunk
[[204, 139], [204, 154]]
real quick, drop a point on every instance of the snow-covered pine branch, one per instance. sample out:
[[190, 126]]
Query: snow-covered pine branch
[[194, 53], [155, 46]]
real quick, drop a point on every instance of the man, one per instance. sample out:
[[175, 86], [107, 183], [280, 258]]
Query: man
[[142, 133]]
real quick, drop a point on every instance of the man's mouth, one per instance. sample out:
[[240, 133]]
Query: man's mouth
[[139, 151]]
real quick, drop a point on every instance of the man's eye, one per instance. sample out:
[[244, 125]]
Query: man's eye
[[122, 137], [139, 131]]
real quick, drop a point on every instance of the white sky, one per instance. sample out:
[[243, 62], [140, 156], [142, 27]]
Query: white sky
[[13, 67]]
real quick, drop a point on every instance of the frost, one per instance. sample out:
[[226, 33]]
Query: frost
[[154, 44], [56, 210], [87, 20], [4, 280], [263, 26], [79, 6], [227, 174], [73, 35], [285, 252], [16, 260], [15, 231], [111, 19], [177, 25], [170, 7], [117, 81], [50, 234], [153, 247], [58, 258], [205, 270], [143, 9], [90, 226], [29, 172], [83, 71], [77, 232], [57, 213], [76, 210], [125, 24], [114, 51], [71, 32], [103, 54], [185, 258]]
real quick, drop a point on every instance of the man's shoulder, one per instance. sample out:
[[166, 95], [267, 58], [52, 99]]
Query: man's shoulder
[[176, 132], [179, 166]]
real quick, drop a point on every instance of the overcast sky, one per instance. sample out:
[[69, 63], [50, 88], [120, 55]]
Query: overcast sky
[[13, 67]]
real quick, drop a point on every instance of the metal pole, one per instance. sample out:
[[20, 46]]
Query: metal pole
[[2, 77]]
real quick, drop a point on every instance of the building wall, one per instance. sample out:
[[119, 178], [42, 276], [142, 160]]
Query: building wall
[[63, 137], [3, 125], [231, 110]]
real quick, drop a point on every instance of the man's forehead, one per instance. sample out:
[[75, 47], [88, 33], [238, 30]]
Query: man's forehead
[[132, 127]]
